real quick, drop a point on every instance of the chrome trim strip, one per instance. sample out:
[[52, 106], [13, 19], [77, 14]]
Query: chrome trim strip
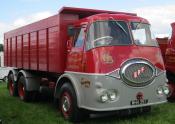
[[133, 63], [83, 73], [105, 74]]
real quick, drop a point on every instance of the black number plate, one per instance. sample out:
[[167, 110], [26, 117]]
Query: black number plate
[[139, 102]]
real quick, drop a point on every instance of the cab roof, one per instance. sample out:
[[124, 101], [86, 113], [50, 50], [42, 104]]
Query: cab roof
[[82, 12]]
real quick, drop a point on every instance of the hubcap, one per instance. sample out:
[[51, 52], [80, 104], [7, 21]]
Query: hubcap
[[66, 104], [21, 90]]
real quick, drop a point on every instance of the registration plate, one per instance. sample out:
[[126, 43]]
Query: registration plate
[[139, 102]]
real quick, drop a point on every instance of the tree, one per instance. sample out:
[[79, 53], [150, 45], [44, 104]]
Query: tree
[[1, 47]]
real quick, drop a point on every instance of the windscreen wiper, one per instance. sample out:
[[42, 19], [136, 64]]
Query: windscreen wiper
[[118, 24]]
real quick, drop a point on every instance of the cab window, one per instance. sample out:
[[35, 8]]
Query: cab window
[[79, 37]]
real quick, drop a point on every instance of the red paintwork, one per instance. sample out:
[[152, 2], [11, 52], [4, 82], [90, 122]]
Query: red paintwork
[[163, 42], [21, 91], [41, 46], [168, 53], [91, 61], [95, 63]]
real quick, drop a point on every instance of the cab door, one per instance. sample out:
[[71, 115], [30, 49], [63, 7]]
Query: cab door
[[75, 54]]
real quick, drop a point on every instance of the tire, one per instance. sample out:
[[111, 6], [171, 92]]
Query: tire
[[171, 77], [12, 86], [25, 95], [68, 104], [5, 79]]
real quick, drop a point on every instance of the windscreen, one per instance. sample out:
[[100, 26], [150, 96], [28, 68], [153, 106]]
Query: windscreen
[[142, 34], [108, 33]]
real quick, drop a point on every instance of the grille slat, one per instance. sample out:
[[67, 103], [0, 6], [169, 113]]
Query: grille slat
[[137, 72]]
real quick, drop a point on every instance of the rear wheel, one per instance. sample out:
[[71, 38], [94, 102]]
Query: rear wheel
[[22, 90], [68, 104], [12, 86]]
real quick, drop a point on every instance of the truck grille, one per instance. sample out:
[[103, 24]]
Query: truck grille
[[137, 72]]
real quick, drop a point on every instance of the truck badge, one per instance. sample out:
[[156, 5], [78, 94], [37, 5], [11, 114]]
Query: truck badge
[[138, 72]]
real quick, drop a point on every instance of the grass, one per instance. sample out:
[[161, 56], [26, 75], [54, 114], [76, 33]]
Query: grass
[[14, 111]]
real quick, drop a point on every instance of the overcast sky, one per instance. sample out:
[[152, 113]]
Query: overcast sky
[[16, 13]]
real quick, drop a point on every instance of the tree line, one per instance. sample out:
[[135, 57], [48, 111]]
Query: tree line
[[1, 47]]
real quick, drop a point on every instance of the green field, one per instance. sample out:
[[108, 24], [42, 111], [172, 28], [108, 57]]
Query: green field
[[14, 111]]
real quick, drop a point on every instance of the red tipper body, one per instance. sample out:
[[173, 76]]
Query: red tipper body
[[42, 45], [92, 60], [39, 46]]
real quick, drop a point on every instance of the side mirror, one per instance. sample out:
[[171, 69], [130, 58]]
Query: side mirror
[[69, 45]]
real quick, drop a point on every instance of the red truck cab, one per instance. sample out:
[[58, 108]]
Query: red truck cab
[[167, 47], [101, 47], [93, 60]]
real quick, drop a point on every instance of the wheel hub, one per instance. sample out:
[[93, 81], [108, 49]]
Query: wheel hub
[[21, 90], [11, 88], [66, 104]]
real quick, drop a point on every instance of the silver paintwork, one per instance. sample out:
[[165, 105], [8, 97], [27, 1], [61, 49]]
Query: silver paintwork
[[88, 98]]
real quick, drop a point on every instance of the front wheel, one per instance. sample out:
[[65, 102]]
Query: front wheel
[[68, 104]]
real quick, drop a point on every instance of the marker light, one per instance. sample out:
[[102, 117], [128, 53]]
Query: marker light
[[166, 90]]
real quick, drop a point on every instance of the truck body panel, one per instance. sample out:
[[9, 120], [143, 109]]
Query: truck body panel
[[30, 46]]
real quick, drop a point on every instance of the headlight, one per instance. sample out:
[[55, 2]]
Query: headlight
[[112, 95], [108, 95], [104, 97], [163, 90], [160, 91]]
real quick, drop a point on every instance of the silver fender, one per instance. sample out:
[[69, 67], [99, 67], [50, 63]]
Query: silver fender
[[14, 71], [32, 82], [73, 81]]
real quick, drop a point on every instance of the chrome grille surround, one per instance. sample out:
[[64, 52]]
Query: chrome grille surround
[[137, 72]]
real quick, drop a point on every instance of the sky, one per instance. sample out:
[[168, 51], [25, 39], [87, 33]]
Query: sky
[[16, 13]]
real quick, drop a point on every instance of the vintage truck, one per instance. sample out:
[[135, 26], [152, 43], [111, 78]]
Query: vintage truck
[[92, 60], [167, 47]]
